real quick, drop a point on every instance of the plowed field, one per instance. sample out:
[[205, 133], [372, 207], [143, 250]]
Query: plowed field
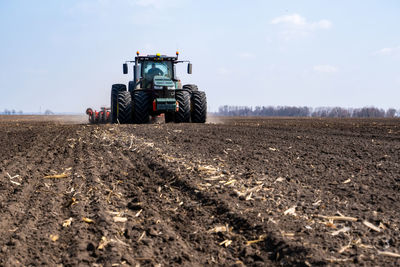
[[253, 192]]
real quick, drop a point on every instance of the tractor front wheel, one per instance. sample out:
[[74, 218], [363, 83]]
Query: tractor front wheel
[[199, 107], [124, 107], [115, 89], [141, 107], [183, 113]]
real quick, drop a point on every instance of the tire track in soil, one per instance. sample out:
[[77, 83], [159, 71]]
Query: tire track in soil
[[153, 220], [214, 211], [81, 238], [170, 219], [29, 218]]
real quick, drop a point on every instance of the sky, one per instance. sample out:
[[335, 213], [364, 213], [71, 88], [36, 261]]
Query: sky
[[65, 55]]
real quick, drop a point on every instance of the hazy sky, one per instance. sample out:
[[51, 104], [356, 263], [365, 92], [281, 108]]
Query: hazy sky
[[65, 55]]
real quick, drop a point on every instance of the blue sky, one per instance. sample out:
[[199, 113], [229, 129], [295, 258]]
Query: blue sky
[[65, 55]]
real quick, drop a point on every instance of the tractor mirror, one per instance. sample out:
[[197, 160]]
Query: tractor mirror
[[189, 70], [125, 68]]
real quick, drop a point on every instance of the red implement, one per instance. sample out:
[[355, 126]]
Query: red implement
[[102, 116]]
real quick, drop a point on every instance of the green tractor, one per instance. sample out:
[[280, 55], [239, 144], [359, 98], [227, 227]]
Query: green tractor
[[156, 90]]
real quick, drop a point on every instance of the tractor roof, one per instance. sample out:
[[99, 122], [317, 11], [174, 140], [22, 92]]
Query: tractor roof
[[156, 58]]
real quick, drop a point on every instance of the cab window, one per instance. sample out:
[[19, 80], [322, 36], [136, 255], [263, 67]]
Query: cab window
[[156, 68]]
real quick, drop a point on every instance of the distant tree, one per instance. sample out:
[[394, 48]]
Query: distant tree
[[390, 113], [48, 112], [20, 112], [369, 112], [338, 112]]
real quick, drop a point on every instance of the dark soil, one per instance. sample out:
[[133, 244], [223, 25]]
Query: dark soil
[[250, 192]]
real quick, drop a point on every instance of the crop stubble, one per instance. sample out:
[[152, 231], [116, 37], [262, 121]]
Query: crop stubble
[[246, 192]]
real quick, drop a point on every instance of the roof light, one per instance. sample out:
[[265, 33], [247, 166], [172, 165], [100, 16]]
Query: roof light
[[158, 55], [137, 53], [177, 53]]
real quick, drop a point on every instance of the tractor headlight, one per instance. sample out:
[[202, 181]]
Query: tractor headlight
[[161, 87]]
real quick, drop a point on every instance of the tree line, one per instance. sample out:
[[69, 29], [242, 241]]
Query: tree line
[[11, 112], [20, 112], [323, 112]]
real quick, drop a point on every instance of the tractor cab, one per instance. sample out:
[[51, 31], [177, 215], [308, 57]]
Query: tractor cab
[[155, 72]]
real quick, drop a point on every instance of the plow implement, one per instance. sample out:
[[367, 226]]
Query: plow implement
[[101, 116]]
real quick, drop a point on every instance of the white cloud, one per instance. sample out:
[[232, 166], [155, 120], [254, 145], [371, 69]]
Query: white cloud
[[325, 68], [388, 51], [295, 26], [295, 20]]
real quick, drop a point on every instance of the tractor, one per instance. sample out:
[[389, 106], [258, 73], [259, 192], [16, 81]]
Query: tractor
[[156, 90]]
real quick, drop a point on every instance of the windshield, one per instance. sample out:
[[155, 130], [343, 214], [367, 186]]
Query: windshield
[[156, 68]]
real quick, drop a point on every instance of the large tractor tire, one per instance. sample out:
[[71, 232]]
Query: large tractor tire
[[115, 89], [198, 110], [124, 107], [183, 114], [141, 107], [191, 87]]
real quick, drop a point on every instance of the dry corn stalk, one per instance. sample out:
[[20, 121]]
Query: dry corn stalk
[[87, 220], [67, 222], [138, 213], [371, 226], [54, 238], [207, 169], [73, 201], [103, 243], [141, 236], [230, 182], [57, 176], [119, 219], [290, 211], [344, 248], [226, 242], [261, 238], [338, 218], [220, 228], [388, 253], [342, 230]]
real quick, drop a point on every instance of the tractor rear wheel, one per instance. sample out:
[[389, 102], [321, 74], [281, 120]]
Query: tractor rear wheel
[[115, 89], [124, 107], [141, 107], [183, 114], [191, 87], [198, 107]]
